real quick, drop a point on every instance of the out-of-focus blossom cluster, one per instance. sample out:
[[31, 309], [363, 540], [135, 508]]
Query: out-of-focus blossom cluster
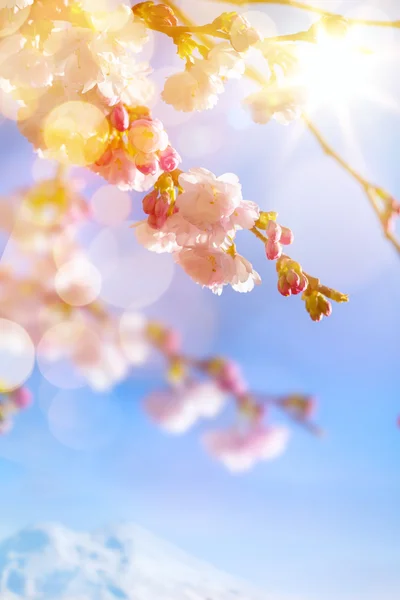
[[50, 310], [191, 399], [11, 403]]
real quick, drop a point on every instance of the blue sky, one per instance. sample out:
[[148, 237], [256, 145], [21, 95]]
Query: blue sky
[[322, 522]]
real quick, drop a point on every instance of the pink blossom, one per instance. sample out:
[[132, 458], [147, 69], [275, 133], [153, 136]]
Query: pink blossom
[[156, 240], [169, 159], [245, 277], [120, 170], [244, 216], [119, 117], [176, 410], [209, 267], [240, 450], [206, 199]]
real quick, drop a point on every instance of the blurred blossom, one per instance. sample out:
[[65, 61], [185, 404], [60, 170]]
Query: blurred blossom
[[177, 410], [239, 450]]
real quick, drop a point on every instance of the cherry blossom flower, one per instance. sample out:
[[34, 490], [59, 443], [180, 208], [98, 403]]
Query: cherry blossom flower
[[209, 267], [214, 268], [121, 170], [242, 34], [244, 278], [206, 199], [193, 89], [239, 450], [156, 240]]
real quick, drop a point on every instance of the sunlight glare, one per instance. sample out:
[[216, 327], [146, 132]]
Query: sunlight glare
[[334, 70]]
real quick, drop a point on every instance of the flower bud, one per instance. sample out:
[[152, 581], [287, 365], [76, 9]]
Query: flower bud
[[146, 163], [274, 231], [287, 236], [169, 159], [273, 250], [119, 118], [149, 202]]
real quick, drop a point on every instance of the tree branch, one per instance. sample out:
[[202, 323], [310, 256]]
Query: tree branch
[[316, 10], [375, 194]]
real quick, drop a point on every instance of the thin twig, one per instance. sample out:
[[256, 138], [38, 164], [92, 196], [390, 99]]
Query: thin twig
[[316, 10], [253, 74]]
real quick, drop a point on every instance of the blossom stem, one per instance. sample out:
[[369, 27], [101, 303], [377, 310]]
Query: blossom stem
[[367, 186], [317, 10], [202, 366], [253, 74]]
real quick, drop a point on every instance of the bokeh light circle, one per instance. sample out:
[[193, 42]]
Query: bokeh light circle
[[76, 133], [64, 351], [195, 141], [17, 356], [84, 420], [110, 206], [132, 277], [78, 282]]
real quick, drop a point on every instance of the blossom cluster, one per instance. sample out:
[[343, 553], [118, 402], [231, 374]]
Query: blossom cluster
[[65, 321], [195, 216], [198, 225]]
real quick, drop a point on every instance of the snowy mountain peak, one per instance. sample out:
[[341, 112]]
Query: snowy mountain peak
[[52, 562]]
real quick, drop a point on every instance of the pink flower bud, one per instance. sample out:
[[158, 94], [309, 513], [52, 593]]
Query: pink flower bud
[[22, 398], [284, 287], [287, 236], [169, 159], [293, 279], [273, 250], [149, 202], [303, 283], [119, 117], [146, 163], [274, 231]]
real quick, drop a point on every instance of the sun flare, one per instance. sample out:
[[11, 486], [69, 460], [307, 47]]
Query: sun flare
[[335, 70]]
